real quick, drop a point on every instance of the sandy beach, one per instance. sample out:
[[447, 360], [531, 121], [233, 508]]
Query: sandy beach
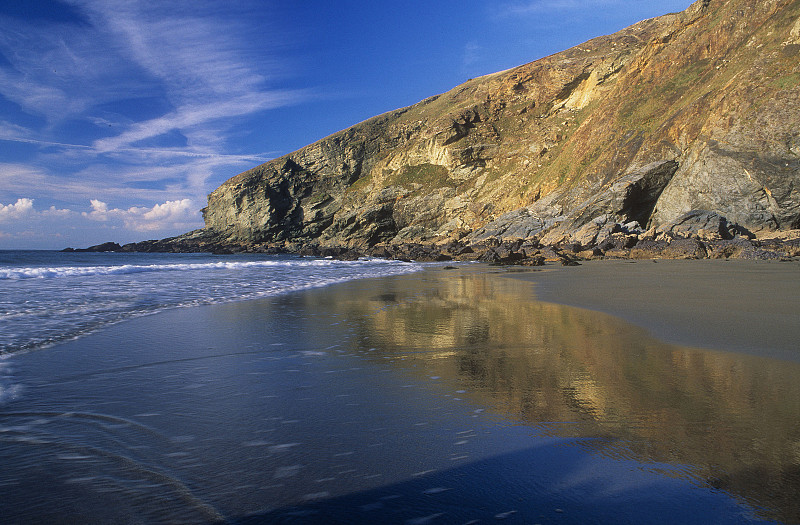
[[743, 306], [445, 396]]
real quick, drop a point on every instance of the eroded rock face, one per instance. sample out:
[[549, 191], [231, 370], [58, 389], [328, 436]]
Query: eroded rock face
[[627, 132], [756, 189]]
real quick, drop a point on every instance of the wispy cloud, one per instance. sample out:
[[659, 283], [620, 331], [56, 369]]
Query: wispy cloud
[[59, 70], [154, 88], [131, 184], [190, 115], [197, 54], [536, 7], [472, 53], [10, 131]]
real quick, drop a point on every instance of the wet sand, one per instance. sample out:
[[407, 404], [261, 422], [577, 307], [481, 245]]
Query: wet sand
[[744, 306], [447, 396]]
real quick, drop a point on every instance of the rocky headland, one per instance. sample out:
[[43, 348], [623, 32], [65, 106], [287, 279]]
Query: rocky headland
[[678, 137]]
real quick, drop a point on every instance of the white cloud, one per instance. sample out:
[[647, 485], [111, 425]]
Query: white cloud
[[24, 209], [99, 210], [58, 213], [169, 211], [19, 210], [169, 215]]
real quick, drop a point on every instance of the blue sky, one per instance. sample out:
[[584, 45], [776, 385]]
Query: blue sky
[[118, 117]]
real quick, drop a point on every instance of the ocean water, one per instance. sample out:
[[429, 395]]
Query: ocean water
[[47, 296]]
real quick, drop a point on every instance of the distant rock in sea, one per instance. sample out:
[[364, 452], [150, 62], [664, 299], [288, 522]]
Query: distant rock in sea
[[104, 247]]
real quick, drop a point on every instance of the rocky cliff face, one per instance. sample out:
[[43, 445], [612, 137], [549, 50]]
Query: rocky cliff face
[[691, 111]]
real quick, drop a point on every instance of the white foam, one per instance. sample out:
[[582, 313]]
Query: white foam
[[37, 272], [51, 303], [436, 490], [8, 389], [283, 447]]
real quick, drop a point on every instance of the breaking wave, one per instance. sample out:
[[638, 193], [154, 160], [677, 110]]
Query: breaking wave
[[48, 298], [124, 269]]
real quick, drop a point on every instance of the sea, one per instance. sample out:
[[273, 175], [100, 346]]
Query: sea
[[47, 297]]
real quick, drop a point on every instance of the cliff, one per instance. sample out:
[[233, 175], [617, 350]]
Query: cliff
[[624, 133]]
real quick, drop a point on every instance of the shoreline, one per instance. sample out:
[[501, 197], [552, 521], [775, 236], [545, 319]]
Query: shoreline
[[393, 399], [741, 306], [717, 304]]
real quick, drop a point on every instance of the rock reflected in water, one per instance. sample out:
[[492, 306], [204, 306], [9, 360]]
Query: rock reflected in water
[[728, 420]]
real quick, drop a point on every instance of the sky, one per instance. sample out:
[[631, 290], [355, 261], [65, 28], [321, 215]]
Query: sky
[[118, 117]]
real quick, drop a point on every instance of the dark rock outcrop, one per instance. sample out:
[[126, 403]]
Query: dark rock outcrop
[[104, 247]]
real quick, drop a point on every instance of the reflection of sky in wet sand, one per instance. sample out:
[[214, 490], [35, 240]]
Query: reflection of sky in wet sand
[[443, 397]]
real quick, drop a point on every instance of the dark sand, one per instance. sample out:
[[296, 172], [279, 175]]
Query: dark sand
[[745, 306], [447, 396]]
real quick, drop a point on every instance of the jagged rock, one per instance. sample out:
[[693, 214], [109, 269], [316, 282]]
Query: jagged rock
[[593, 253], [648, 249], [786, 244], [535, 260], [685, 248], [380, 251], [702, 224], [588, 234], [500, 256], [595, 211], [457, 249], [598, 212], [567, 260], [756, 187], [518, 224], [309, 250], [757, 254], [729, 248], [679, 248], [618, 241]]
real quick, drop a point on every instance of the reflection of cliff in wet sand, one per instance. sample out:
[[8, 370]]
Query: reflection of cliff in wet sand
[[730, 418]]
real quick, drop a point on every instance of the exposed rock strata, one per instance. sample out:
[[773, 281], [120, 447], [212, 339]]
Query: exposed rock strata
[[604, 147], [695, 235]]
